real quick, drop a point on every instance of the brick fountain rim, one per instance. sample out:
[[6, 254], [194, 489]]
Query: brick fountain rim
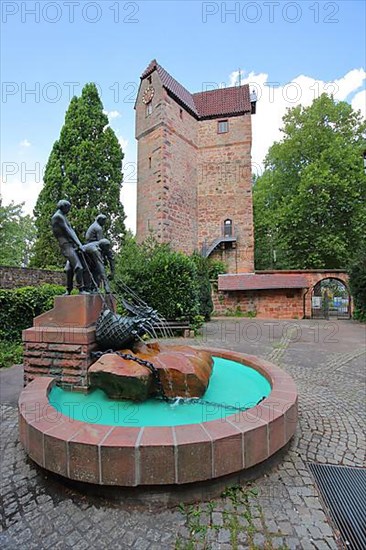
[[177, 455]]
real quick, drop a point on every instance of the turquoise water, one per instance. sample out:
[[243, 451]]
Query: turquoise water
[[231, 384]]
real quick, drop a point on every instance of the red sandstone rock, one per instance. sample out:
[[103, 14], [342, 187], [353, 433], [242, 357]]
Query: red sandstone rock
[[120, 378], [184, 372]]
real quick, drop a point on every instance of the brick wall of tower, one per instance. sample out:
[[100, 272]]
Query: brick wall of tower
[[166, 171], [180, 177], [150, 209], [225, 189], [149, 133]]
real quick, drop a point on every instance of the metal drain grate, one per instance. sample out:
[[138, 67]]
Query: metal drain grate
[[344, 492]]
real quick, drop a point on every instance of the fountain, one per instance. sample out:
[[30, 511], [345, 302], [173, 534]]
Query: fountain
[[103, 406]]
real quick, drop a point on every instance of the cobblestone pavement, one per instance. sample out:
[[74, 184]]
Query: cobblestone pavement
[[279, 509]]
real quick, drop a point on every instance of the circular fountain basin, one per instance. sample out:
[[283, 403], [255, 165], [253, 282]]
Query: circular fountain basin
[[94, 439], [233, 387]]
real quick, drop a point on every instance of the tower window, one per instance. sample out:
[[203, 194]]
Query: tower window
[[222, 126], [228, 228], [149, 162], [149, 79], [149, 108], [181, 114]]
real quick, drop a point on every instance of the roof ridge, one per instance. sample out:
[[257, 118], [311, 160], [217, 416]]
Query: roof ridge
[[218, 89], [228, 101]]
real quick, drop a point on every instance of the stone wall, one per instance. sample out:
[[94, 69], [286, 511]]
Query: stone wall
[[277, 303], [225, 189], [313, 277], [16, 277], [265, 304], [166, 171], [180, 177]]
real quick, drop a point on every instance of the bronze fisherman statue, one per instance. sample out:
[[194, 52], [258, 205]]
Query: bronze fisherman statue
[[70, 246], [86, 262]]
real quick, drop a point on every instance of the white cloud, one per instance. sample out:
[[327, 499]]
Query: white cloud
[[13, 189], [128, 199], [25, 143], [274, 99], [234, 78], [359, 102], [112, 114], [123, 142], [349, 83]]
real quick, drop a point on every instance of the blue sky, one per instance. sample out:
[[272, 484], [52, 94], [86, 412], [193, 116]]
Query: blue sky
[[62, 45]]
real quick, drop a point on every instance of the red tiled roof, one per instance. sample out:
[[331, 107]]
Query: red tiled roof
[[171, 85], [223, 101], [210, 104], [149, 69], [252, 281]]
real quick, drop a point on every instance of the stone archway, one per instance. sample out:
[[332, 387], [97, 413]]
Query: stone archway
[[313, 277], [330, 299]]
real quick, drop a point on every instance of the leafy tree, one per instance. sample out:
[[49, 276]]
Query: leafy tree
[[85, 167], [310, 202], [17, 233], [357, 281], [203, 274]]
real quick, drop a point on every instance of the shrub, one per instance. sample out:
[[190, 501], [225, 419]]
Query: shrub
[[19, 306], [357, 281], [166, 280], [216, 268]]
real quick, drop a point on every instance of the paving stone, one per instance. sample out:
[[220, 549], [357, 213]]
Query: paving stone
[[39, 512], [224, 535], [259, 540]]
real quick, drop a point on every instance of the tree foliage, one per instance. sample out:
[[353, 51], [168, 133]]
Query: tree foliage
[[85, 167], [310, 202], [357, 281], [17, 234]]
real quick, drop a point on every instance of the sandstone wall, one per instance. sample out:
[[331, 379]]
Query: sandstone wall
[[180, 177], [149, 133], [267, 304], [278, 303], [16, 277], [166, 171], [225, 189]]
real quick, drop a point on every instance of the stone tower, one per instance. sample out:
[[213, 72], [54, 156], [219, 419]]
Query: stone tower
[[194, 187]]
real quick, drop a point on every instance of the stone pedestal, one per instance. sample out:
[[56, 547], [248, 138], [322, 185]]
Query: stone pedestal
[[61, 341]]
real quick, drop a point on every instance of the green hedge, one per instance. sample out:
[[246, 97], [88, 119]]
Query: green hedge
[[166, 280], [19, 306]]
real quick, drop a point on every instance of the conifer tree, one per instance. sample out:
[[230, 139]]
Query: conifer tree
[[84, 167]]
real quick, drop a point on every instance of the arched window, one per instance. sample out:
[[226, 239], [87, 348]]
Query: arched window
[[148, 108], [228, 228]]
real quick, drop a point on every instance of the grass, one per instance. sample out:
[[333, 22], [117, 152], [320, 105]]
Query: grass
[[236, 504]]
